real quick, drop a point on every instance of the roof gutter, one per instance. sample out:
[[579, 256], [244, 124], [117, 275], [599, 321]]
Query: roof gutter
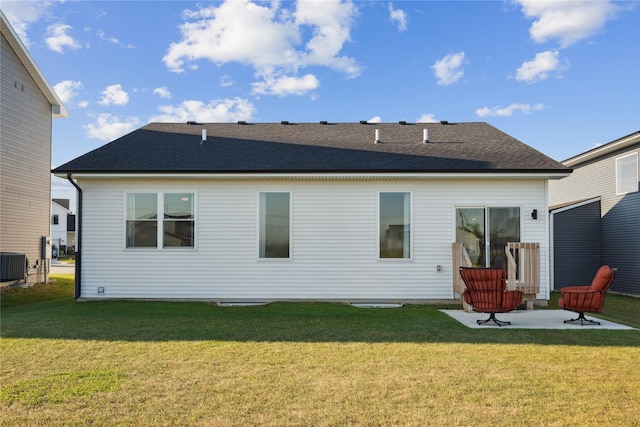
[[78, 253], [324, 175]]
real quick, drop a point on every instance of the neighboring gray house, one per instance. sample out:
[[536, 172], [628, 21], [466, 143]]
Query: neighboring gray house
[[595, 216], [314, 211], [28, 105]]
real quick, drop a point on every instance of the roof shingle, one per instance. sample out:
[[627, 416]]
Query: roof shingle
[[314, 147]]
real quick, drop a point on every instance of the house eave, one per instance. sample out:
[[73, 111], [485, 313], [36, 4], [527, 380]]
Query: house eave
[[316, 176], [57, 108], [603, 150]]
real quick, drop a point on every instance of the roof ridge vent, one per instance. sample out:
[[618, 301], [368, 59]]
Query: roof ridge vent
[[444, 122], [324, 122], [402, 122], [364, 122], [285, 122], [242, 122]]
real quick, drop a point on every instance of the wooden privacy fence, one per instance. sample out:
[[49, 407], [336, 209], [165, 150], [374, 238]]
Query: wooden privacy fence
[[523, 269], [460, 259]]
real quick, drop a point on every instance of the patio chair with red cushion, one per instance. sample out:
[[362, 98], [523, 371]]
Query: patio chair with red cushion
[[587, 299], [486, 293]]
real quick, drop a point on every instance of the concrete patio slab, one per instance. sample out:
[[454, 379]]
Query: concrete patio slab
[[533, 319]]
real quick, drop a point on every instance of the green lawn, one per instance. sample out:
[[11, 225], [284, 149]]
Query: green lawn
[[196, 364]]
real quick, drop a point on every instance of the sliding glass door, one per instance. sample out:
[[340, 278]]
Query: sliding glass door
[[487, 249]]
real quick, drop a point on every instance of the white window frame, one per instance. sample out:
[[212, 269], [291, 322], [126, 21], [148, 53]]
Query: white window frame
[[259, 225], [160, 221], [410, 258], [618, 179]]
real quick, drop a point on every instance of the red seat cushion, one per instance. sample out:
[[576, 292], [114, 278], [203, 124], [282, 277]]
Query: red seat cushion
[[602, 278]]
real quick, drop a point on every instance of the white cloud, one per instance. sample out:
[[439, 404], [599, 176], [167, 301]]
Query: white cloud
[[162, 92], [21, 14], [226, 81], [267, 37], [108, 127], [283, 86], [539, 68], [448, 70], [376, 119], [83, 104], [427, 118], [57, 38], [398, 16], [114, 95], [567, 21], [67, 90], [216, 111], [508, 111], [330, 22]]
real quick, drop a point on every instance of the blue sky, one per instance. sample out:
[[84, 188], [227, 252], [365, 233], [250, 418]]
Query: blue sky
[[561, 76]]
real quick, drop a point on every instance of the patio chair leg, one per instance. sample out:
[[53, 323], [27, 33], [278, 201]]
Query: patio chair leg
[[582, 319], [492, 318]]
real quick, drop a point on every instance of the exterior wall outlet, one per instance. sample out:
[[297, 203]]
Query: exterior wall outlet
[[438, 268], [101, 290]]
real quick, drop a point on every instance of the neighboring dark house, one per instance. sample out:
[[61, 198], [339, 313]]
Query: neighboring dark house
[[595, 216], [308, 211]]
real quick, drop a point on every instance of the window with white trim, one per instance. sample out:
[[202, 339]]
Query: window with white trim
[[275, 225], [394, 218], [627, 174], [177, 227]]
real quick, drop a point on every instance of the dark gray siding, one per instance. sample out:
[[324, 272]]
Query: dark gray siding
[[621, 243], [620, 215], [577, 245]]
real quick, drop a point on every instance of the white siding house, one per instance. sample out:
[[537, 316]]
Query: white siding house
[[338, 225], [28, 105], [63, 233]]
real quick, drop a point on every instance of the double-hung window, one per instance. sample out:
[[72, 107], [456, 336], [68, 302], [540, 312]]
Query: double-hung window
[[174, 227], [627, 174], [275, 225], [395, 225]]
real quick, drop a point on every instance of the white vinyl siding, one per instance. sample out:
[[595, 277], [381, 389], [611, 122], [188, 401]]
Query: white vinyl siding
[[334, 233], [590, 180]]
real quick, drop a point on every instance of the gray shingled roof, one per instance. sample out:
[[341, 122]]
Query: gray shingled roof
[[314, 148]]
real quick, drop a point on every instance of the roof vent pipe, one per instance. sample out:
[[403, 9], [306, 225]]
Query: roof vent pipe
[[425, 135], [204, 136], [377, 140]]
